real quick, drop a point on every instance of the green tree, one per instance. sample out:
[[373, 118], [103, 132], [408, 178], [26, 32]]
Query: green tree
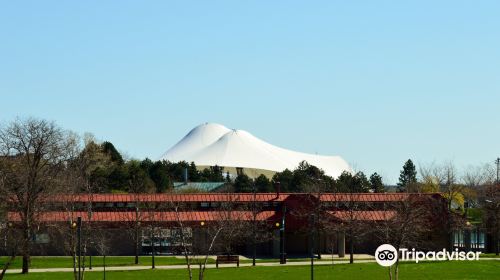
[[109, 148], [243, 184], [304, 176], [408, 177], [285, 178], [361, 183], [343, 182], [376, 183], [117, 179], [138, 180], [212, 174], [159, 174], [193, 173], [263, 184], [357, 183]]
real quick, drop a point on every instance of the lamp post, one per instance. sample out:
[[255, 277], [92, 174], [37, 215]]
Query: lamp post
[[282, 237], [79, 237], [90, 254], [137, 227], [152, 248], [202, 225], [78, 226], [311, 238], [495, 233], [254, 241]]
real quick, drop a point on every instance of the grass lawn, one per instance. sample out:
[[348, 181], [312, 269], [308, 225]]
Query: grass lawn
[[435, 270], [489, 255], [65, 262], [62, 262]]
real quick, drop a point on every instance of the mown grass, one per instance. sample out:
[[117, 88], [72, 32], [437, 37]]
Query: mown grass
[[470, 270], [65, 262]]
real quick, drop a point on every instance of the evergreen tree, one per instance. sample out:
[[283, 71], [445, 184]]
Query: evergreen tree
[[243, 184], [285, 178], [408, 177], [159, 174], [263, 184], [376, 183], [360, 183], [109, 148], [138, 181], [344, 182], [118, 178], [216, 174], [193, 173]]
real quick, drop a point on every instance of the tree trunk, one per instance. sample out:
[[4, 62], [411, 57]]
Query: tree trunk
[[351, 249], [104, 265], [396, 271], [73, 255], [200, 273], [26, 250], [495, 244], [7, 264], [136, 246], [26, 263]]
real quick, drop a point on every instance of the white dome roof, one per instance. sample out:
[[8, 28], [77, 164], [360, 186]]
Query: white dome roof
[[213, 144]]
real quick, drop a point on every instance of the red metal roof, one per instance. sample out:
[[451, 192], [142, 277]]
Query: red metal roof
[[363, 215], [372, 197], [191, 216], [198, 197], [236, 197]]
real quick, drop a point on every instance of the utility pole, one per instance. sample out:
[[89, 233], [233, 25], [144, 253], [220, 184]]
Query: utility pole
[[254, 225], [79, 237], [311, 246], [497, 161], [152, 249], [282, 236]]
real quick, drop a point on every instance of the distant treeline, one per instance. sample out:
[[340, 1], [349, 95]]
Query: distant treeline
[[109, 172]]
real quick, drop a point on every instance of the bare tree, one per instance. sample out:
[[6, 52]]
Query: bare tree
[[225, 225], [34, 154], [137, 184], [404, 223], [490, 199], [446, 179], [102, 243], [11, 246]]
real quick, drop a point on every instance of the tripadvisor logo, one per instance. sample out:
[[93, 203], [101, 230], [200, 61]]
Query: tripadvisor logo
[[387, 255]]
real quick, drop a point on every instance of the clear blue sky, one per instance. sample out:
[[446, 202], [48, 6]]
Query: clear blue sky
[[376, 82]]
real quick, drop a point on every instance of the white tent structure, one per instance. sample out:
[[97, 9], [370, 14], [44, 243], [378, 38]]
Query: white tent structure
[[213, 144]]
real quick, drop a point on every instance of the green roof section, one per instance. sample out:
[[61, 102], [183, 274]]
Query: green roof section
[[201, 186]]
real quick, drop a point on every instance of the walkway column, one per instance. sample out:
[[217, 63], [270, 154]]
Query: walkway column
[[276, 244], [341, 243]]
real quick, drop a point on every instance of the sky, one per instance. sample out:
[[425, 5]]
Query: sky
[[376, 82]]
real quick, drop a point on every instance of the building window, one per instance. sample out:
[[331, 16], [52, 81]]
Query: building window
[[458, 239], [477, 239]]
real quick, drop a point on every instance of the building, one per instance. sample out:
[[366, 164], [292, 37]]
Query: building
[[284, 219]]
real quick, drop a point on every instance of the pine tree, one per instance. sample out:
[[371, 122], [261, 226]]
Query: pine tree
[[376, 183], [408, 177]]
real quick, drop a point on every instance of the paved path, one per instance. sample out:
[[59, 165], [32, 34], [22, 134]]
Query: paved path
[[124, 268]]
